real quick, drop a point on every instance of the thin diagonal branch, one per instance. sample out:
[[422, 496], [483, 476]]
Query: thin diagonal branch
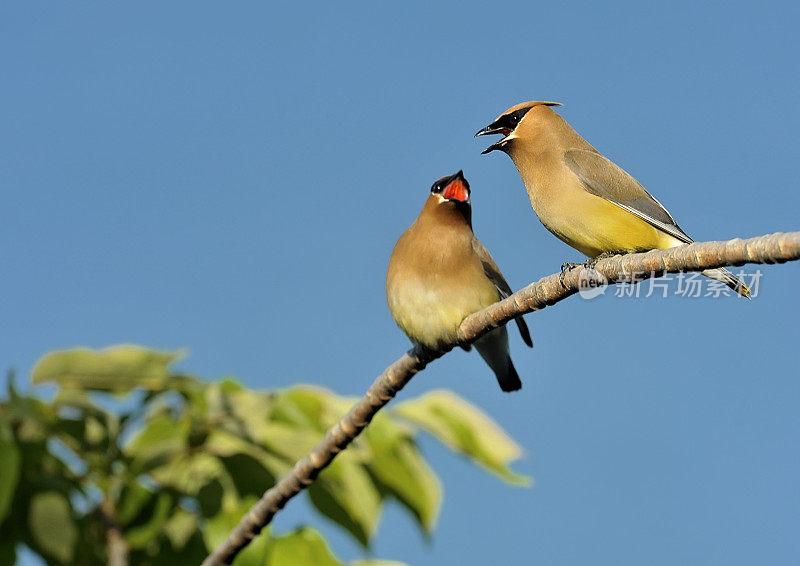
[[773, 248]]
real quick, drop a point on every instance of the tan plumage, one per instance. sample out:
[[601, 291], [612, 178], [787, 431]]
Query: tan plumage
[[582, 197], [439, 273]]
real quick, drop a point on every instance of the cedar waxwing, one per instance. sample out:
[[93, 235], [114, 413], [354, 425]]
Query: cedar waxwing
[[439, 273], [581, 196]]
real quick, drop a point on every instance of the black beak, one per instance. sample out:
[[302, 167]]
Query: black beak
[[460, 175], [492, 128], [497, 145]]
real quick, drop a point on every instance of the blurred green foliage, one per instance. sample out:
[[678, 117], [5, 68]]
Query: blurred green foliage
[[170, 463]]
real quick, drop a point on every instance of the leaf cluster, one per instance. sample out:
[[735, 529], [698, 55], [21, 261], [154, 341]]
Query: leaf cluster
[[170, 462]]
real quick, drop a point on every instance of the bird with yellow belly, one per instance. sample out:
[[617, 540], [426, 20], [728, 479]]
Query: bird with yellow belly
[[582, 197]]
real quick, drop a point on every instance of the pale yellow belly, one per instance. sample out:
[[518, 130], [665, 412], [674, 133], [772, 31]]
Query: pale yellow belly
[[430, 314], [593, 225]]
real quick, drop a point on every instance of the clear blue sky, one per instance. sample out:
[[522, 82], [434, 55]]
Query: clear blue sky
[[231, 178]]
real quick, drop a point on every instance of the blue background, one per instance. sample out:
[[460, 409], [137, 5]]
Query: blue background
[[232, 178]]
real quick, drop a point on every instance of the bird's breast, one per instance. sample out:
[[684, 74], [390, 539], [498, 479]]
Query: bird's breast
[[433, 289], [586, 222]]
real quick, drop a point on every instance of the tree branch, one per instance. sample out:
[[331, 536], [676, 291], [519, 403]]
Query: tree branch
[[773, 248], [116, 546]]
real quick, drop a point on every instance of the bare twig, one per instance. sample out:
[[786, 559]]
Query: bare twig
[[116, 546], [773, 248]]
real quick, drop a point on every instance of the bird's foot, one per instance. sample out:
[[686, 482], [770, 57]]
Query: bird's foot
[[567, 266], [591, 262]]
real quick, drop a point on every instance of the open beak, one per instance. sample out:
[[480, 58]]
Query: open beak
[[497, 145], [494, 128], [456, 188]]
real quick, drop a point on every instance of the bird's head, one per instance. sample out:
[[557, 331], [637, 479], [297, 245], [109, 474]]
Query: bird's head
[[509, 124], [450, 197], [452, 188]]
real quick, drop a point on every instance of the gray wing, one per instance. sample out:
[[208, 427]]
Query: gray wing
[[603, 178], [495, 276]]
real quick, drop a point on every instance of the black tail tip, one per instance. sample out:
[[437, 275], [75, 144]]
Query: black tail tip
[[510, 381]]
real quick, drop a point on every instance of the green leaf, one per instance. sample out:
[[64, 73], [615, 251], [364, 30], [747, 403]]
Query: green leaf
[[252, 469], [9, 469], [162, 553], [402, 471], [8, 551], [217, 529], [132, 500], [161, 437], [302, 547], [52, 526], [249, 409], [310, 406], [217, 396], [345, 493], [180, 528], [289, 441], [465, 429], [33, 418], [189, 473], [249, 476], [210, 498], [95, 431], [286, 410], [78, 399], [117, 368], [225, 444], [157, 513]]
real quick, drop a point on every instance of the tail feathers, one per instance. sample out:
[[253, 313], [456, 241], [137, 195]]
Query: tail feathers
[[493, 348], [725, 276], [509, 379], [523, 331]]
